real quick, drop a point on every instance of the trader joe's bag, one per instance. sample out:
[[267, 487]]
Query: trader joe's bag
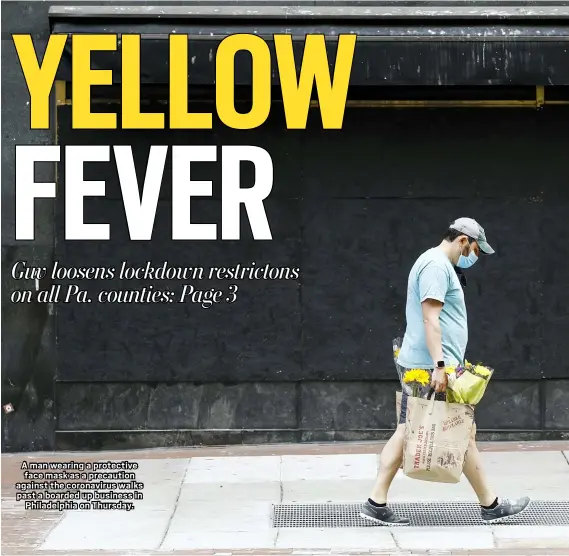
[[436, 439]]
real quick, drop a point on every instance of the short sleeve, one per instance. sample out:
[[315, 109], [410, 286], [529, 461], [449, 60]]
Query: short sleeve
[[433, 283]]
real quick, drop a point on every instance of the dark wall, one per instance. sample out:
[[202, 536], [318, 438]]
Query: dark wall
[[352, 209], [311, 359], [28, 341]]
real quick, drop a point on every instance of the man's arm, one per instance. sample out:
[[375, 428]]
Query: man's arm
[[433, 286], [431, 312]]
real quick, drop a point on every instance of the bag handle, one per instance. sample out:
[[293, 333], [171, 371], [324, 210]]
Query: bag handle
[[432, 391], [432, 398]]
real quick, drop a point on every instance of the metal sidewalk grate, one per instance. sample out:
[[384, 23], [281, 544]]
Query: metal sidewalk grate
[[421, 514]]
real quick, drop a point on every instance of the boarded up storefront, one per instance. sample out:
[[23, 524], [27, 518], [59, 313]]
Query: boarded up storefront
[[451, 112]]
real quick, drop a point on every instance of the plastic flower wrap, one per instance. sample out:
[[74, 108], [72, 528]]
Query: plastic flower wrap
[[396, 348], [467, 383]]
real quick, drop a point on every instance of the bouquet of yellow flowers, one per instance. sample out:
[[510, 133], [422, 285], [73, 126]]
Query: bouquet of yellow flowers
[[416, 379], [467, 383]]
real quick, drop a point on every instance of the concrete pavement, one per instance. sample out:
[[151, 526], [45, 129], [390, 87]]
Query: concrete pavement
[[219, 501]]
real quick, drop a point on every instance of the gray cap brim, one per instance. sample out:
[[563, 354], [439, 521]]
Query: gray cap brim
[[485, 247]]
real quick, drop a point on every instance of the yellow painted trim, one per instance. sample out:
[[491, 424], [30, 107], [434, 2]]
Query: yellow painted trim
[[437, 103], [539, 96], [61, 93], [539, 102], [377, 103]]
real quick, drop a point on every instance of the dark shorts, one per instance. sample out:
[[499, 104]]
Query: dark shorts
[[403, 412]]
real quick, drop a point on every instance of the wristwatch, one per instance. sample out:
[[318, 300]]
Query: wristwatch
[[440, 364]]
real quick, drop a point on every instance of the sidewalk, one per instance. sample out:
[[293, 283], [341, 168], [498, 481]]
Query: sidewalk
[[205, 501]]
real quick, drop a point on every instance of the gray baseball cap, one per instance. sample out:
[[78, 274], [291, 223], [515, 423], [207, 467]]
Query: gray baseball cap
[[471, 228]]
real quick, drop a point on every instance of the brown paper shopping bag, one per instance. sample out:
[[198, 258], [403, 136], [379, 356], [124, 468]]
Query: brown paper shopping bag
[[436, 439]]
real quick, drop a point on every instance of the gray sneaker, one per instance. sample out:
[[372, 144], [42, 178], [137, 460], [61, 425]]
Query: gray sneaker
[[383, 516], [505, 509]]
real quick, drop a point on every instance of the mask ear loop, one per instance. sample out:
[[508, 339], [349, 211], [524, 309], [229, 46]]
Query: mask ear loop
[[470, 242]]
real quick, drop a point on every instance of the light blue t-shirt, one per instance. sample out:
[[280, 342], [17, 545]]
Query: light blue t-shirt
[[434, 277]]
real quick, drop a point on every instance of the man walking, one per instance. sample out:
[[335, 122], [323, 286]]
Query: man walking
[[436, 337]]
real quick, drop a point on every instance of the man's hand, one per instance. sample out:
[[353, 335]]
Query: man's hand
[[439, 380]]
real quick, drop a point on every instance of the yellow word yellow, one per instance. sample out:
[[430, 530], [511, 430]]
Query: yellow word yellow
[[296, 91]]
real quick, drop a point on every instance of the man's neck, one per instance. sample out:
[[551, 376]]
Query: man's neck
[[446, 248]]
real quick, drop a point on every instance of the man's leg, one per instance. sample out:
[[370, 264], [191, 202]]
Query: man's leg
[[474, 472], [389, 464], [493, 509], [375, 509]]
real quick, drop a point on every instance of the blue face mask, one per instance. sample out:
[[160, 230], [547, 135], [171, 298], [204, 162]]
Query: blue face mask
[[467, 262]]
